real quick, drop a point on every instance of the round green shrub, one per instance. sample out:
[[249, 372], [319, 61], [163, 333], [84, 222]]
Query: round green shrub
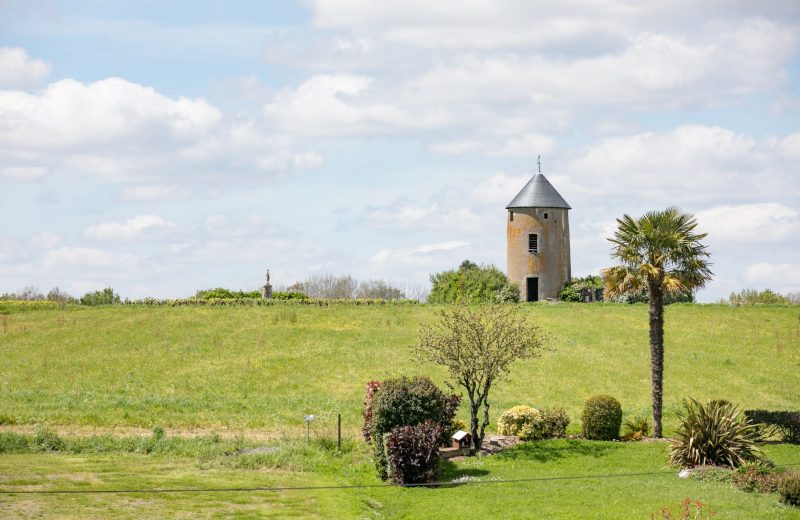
[[406, 402], [790, 489], [602, 418]]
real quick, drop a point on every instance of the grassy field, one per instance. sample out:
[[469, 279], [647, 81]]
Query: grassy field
[[244, 377], [623, 480], [262, 369]]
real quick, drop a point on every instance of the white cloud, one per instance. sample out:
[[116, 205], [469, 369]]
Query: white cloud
[[693, 164], [136, 227], [570, 25], [763, 222], [153, 192], [46, 239], [779, 277], [113, 127], [339, 104], [496, 86], [70, 115], [18, 70], [404, 213], [500, 188], [424, 255], [23, 173], [87, 258]]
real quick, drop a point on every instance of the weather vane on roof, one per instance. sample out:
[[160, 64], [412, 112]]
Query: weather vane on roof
[[539, 162]]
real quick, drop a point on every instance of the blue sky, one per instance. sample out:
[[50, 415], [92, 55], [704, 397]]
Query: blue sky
[[161, 148]]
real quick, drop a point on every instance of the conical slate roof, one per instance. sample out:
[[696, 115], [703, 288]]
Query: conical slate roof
[[538, 193]]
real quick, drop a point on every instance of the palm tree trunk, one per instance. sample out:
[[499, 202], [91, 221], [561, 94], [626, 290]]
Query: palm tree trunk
[[657, 352]]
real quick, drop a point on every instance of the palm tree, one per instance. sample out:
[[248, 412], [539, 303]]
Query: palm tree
[[661, 252]]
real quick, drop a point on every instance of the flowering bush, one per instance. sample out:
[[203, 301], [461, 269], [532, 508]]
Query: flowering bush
[[554, 422], [523, 421]]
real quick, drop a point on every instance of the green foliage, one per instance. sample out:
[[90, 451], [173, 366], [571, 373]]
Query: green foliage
[[226, 294], [47, 440], [289, 295], [12, 442], [509, 293], [714, 434], [712, 475], [106, 296], [57, 295], [412, 453], [641, 296], [756, 476], [453, 427], [790, 489], [636, 428], [784, 423], [158, 433], [602, 418], [471, 283], [554, 423], [407, 402], [765, 297], [572, 292], [515, 421]]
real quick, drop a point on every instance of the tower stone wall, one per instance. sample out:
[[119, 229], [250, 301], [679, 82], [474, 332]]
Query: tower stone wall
[[551, 263]]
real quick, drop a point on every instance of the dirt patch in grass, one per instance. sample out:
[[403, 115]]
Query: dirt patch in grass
[[21, 509], [132, 431]]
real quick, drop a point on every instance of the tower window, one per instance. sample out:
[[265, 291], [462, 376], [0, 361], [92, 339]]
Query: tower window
[[533, 243], [511, 216], [545, 216]]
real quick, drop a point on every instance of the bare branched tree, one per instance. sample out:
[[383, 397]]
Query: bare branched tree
[[330, 286], [379, 289], [478, 345]]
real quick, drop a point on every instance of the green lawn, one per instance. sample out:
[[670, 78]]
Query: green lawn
[[244, 368], [561, 497], [255, 371]]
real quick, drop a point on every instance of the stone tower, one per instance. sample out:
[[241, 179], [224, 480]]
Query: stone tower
[[538, 240]]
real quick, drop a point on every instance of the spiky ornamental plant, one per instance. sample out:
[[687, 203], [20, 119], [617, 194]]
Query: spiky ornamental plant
[[715, 433], [659, 251]]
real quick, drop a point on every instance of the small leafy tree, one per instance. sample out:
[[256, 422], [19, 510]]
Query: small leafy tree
[[477, 345], [105, 297]]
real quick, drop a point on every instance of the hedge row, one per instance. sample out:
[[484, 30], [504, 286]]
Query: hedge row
[[261, 302], [28, 305], [786, 423]]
